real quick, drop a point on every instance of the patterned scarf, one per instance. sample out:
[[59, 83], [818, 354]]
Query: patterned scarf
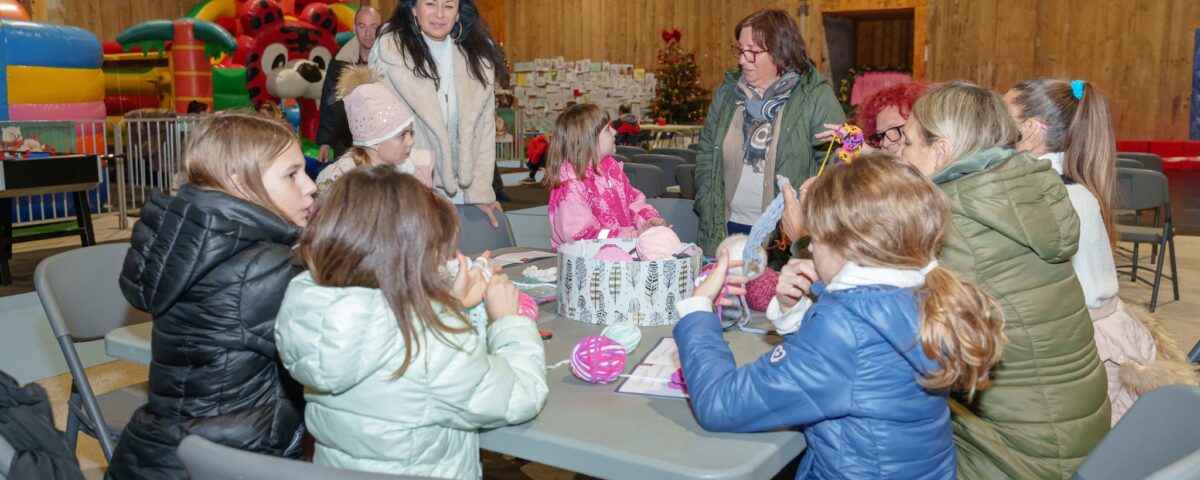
[[759, 116]]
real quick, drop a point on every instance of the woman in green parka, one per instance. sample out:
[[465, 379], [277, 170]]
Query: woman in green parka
[[761, 123], [1013, 233]]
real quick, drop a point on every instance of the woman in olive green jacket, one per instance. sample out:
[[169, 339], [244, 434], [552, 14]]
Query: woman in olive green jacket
[[1013, 233], [761, 123]]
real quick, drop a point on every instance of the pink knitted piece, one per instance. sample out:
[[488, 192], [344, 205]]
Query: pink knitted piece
[[657, 243], [761, 290], [613, 253], [597, 359], [527, 306]]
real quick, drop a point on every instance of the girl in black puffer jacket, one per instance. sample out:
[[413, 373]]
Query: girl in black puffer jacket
[[211, 265]]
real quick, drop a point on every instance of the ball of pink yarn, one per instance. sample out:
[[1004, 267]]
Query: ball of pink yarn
[[657, 243], [761, 290], [597, 359], [527, 306], [613, 253]]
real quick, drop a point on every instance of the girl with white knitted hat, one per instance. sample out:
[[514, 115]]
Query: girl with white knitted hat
[[381, 126]]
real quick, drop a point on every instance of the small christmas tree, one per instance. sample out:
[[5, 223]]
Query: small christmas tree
[[680, 99]]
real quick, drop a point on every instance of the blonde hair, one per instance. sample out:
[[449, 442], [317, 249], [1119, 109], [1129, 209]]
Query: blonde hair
[[237, 144], [879, 211], [574, 140], [1080, 128], [970, 117], [356, 240], [270, 108]]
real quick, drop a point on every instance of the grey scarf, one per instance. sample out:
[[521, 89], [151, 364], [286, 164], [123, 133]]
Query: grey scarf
[[759, 115]]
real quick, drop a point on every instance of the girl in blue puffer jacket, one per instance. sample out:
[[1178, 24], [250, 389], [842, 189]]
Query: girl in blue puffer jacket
[[868, 369]]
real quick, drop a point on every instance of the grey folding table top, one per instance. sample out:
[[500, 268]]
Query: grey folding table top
[[592, 430]]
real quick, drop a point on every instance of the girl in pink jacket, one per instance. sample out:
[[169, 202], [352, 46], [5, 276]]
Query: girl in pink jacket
[[590, 197]]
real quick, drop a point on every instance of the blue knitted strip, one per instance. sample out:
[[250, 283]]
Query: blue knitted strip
[[763, 228]]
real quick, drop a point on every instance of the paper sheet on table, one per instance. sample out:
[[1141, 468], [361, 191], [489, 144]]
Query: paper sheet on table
[[653, 375], [663, 353], [519, 257]]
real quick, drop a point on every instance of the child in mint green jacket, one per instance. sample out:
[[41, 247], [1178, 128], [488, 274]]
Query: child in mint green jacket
[[398, 380]]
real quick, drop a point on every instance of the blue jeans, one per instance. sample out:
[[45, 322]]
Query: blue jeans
[[736, 228]]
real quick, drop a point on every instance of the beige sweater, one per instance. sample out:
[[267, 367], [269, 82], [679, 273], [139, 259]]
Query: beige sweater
[[471, 172]]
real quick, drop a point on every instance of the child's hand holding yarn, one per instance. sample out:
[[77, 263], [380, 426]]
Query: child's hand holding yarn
[[718, 284], [651, 223], [502, 298], [469, 283], [795, 281], [792, 221]]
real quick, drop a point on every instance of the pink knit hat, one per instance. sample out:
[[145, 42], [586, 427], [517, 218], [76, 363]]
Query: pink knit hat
[[372, 110]]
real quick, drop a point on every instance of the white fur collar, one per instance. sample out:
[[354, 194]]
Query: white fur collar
[[855, 275]]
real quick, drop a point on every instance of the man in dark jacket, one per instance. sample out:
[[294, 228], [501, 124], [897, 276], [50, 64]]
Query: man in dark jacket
[[333, 133]]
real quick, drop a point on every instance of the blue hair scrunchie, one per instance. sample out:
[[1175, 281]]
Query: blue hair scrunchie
[[1077, 89]]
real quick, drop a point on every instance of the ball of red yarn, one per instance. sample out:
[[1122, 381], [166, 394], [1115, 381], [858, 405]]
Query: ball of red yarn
[[761, 290], [527, 306], [598, 359]]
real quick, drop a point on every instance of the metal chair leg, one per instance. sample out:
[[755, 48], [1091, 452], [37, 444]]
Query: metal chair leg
[[1154, 246], [90, 404], [1134, 268], [72, 433], [1157, 278], [1174, 273]]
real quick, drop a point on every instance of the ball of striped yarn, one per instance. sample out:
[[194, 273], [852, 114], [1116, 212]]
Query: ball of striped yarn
[[598, 359], [527, 306]]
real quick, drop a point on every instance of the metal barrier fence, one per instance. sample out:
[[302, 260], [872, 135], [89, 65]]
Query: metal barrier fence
[[514, 146], [153, 152], [78, 136], [143, 154]]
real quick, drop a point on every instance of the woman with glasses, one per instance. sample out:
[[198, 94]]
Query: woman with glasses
[[883, 114], [762, 123]]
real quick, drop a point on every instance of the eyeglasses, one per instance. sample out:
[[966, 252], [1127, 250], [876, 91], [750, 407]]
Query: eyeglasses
[[894, 134], [738, 52]]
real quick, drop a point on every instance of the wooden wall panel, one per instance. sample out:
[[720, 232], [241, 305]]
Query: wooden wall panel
[[629, 31], [1138, 52], [108, 18], [880, 43]]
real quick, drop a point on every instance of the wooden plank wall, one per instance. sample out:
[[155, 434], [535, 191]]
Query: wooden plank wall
[[106, 18], [1138, 52], [630, 31], [879, 43]]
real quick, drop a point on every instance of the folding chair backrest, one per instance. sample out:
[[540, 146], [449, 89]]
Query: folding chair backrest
[[685, 176], [687, 155], [694, 146], [81, 293], [206, 460], [6, 457], [1140, 189], [647, 178], [629, 151], [680, 215], [475, 232], [668, 164], [1129, 163], [1161, 428], [1187, 468], [1148, 160], [620, 158]]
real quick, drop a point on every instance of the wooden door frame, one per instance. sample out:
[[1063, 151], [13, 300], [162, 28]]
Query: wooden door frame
[[920, 16]]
